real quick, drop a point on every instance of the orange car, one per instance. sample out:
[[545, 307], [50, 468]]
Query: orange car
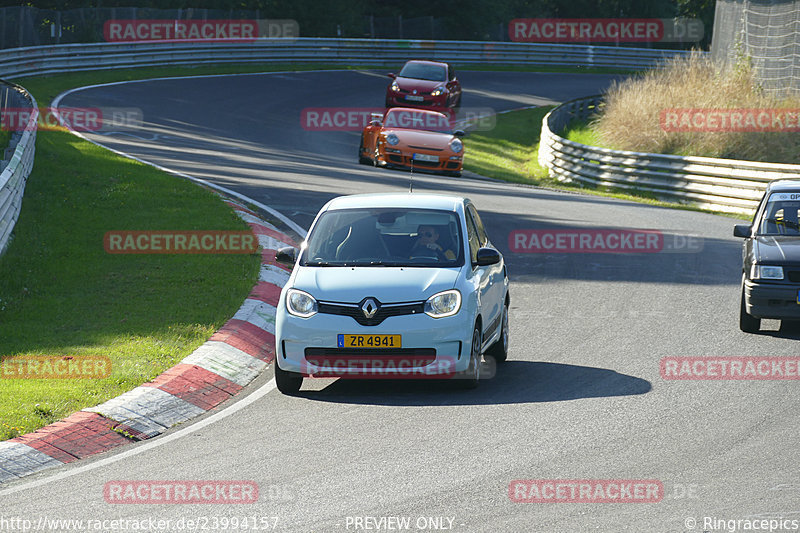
[[405, 137]]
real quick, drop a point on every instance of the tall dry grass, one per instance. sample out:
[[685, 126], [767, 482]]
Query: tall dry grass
[[631, 120]]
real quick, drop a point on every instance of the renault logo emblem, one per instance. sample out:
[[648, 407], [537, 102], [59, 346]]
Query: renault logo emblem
[[369, 308]]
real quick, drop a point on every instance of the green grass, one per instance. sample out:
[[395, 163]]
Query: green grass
[[582, 132], [5, 138], [510, 151], [62, 295]]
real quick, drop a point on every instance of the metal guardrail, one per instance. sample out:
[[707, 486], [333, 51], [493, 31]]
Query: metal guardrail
[[15, 170], [37, 60], [725, 185]]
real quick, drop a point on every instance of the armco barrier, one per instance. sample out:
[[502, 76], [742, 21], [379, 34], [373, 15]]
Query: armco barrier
[[51, 59], [720, 184], [16, 169]]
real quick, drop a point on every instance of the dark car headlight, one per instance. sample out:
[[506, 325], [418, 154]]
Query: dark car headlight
[[766, 272]]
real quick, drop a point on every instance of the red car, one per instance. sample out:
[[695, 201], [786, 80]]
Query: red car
[[424, 84], [404, 137]]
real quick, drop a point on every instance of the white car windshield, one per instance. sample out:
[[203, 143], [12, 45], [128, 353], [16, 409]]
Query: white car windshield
[[385, 237]]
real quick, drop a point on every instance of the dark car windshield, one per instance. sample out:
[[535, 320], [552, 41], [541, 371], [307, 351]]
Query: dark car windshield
[[417, 120], [781, 215], [381, 237], [422, 71]]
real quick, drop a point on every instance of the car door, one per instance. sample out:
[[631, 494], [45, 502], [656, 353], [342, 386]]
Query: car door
[[486, 275]]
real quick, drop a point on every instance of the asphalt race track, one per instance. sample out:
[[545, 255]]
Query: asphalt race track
[[581, 397]]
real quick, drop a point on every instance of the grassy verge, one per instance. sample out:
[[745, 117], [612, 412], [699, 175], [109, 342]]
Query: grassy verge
[[510, 152], [5, 138], [62, 295], [691, 107]]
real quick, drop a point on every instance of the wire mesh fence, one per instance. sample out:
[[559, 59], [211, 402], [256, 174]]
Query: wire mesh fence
[[767, 32]]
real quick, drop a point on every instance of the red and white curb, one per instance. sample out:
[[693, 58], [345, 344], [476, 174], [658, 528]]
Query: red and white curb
[[213, 373]]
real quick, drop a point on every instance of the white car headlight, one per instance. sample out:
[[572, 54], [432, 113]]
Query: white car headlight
[[395, 87], [442, 304], [300, 303], [392, 139], [456, 145], [766, 272], [438, 91]]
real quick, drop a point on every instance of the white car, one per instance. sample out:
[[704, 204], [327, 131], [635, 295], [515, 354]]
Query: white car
[[401, 285]]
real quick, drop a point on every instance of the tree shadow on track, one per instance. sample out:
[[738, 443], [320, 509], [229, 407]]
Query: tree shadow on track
[[514, 382]]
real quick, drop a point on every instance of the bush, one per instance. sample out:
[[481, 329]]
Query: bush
[[632, 116]]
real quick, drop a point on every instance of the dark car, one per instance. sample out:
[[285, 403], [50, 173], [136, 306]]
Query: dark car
[[425, 84], [771, 257]]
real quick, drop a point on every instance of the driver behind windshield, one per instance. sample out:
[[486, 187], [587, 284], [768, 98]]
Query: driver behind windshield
[[427, 238]]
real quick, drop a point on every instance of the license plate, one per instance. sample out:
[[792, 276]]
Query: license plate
[[426, 157], [412, 98], [368, 341], [798, 296]]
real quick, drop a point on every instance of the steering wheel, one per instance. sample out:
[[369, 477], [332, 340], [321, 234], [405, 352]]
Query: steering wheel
[[427, 251]]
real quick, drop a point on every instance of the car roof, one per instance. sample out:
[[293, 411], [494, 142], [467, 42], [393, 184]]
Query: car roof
[[427, 62], [399, 199], [788, 184]]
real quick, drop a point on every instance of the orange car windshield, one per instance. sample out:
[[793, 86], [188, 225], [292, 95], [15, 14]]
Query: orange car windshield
[[419, 120]]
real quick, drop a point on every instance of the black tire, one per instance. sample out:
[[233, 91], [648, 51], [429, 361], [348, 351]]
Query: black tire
[[747, 323], [361, 159], [499, 350], [287, 382], [471, 377]]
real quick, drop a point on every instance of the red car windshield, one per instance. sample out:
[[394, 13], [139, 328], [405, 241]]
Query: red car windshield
[[417, 120], [422, 71]]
